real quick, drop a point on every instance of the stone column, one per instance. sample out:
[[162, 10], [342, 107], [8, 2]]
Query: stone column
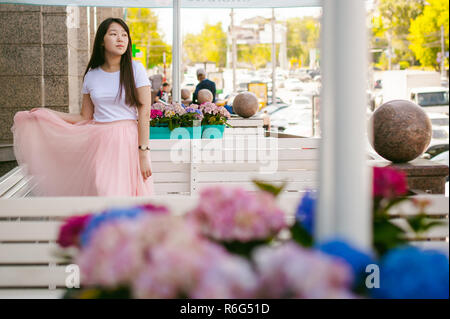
[[21, 63]]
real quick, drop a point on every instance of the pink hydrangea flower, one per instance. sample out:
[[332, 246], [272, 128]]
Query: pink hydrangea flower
[[70, 231], [155, 113], [290, 271], [113, 255], [231, 277], [228, 214], [389, 182], [158, 106]]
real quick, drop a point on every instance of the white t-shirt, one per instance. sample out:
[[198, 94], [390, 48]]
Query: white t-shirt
[[103, 88]]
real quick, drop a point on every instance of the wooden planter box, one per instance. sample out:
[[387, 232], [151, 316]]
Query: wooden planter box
[[164, 133], [212, 131]]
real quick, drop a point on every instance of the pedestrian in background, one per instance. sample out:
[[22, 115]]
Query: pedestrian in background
[[204, 83]]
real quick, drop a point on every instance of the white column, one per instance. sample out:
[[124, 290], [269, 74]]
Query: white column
[[233, 50], [274, 60], [176, 52], [344, 198]]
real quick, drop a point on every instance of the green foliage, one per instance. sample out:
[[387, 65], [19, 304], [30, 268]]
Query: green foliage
[[144, 31], [301, 236], [211, 119], [243, 249], [392, 21], [386, 235], [208, 46], [303, 34], [185, 120], [258, 55], [425, 32], [98, 293], [267, 187]]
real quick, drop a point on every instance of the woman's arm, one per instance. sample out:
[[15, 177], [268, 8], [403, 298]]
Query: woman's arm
[[87, 112], [144, 95]]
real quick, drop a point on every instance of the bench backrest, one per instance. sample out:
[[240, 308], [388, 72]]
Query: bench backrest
[[29, 267]]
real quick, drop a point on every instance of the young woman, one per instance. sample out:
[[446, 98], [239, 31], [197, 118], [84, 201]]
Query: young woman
[[104, 150]]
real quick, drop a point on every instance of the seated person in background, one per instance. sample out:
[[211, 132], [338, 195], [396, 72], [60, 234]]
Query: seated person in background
[[185, 101], [204, 83], [164, 94], [204, 96], [266, 120]]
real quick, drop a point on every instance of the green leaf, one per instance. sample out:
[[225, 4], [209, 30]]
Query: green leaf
[[387, 235], [301, 236], [243, 249], [421, 223], [267, 187]]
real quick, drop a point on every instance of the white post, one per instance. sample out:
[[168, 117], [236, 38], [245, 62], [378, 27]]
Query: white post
[[344, 197], [442, 54], [274, 60], [176, 55], [233, 50]]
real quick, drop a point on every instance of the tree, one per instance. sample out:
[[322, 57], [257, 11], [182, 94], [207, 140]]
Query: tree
[[302, 35], [425, 32], [257, 55], [390, 27], [208, 46], [144, 31]]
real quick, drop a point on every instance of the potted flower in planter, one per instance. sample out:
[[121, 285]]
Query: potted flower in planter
[[214, 120], [173, 121]]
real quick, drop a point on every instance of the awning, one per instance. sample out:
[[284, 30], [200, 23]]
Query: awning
[[169, 3]]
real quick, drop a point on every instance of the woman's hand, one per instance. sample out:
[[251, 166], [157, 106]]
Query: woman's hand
[[35, 109], [144, 161]]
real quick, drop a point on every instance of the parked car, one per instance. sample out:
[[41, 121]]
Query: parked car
[[302, 101], [432, 99], [293, 84]]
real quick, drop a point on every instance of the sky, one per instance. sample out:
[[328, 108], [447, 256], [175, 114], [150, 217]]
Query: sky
[[192, 20]]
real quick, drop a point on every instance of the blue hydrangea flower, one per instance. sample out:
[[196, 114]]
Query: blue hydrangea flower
[[305, 212], [357, 259], [411, 273], [113, 214]]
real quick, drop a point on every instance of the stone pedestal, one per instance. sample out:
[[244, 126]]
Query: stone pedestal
[[424, 176]]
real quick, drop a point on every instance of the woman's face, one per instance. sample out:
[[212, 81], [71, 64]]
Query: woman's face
[[115, 39]]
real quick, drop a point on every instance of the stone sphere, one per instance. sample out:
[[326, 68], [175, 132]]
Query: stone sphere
[[245, 104], [185, 94], [204, 95], [400, 131]]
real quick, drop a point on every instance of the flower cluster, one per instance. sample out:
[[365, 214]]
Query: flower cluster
[[355, 258], [411, 273], [146, 251], [388, 182], [161, 256], [197, 113], [305, 212], [70, 231], [228, 214], [76, 230], [213, 114], [156, 114], [289, 271]]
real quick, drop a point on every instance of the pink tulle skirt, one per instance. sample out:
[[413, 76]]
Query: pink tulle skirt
[[84, 159]]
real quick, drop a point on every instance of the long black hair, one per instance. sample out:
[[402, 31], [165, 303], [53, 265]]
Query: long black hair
[[126, 67]]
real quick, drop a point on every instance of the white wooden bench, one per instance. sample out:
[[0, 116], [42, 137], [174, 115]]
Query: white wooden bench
[[186, 166], [16, 183], [29, 226]]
